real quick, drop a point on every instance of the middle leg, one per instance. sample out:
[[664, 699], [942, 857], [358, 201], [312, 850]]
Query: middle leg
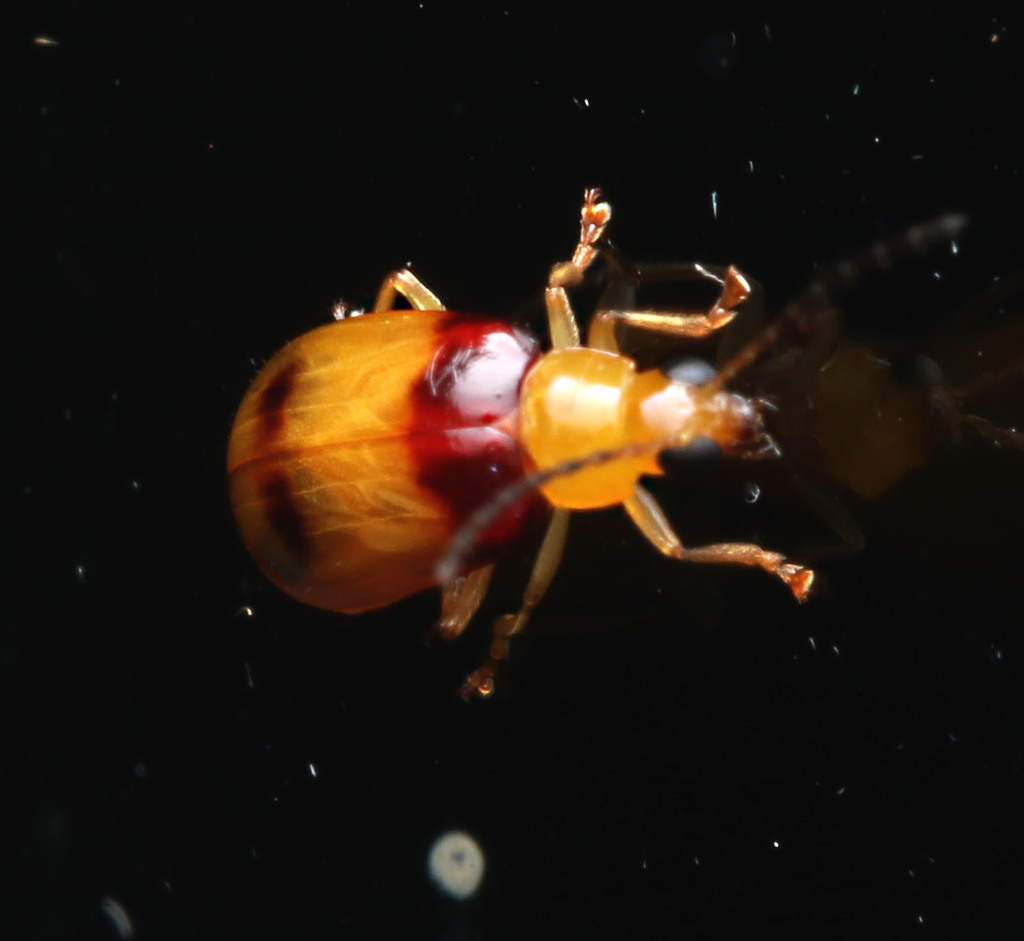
[[734, 290], [404, 282], [594, 219], [482, 680]]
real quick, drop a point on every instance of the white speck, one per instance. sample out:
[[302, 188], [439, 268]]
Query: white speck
[[768, 32], [750, 163], [937, 276], [775, 843], [45, 41], [841, 791], [134, 484], [751, 492], [835, 650], [856, 89], [80, 572], [814, 646], [696, 861], [910, 872], [920, 919], [714, 204], [955, 248], [952, 737], [118, 917], [244, 612], [248, 675], [878, 140], [456, 864], [312, 770]]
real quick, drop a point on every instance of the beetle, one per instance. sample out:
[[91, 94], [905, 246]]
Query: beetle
[[380, 455], [863, 416]]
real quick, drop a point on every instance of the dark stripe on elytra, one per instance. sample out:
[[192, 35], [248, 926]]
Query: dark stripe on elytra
[[283, 516], [274, 398]]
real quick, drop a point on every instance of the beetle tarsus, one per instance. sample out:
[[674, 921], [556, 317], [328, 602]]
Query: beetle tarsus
[[798, 578], [479, 681]]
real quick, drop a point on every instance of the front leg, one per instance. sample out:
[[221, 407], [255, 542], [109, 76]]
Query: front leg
[[594, 219], [650, 520]]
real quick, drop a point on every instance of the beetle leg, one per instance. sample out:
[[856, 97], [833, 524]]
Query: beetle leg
[[735, 290], [460, 599], [1003, 436], [802, 313], [562, 326], [544, 568], [404, 282], [650, 520], [594, 219]]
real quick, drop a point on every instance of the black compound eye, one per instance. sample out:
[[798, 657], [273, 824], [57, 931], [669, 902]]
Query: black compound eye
[[916, 370], [690, 371], [700, 452]]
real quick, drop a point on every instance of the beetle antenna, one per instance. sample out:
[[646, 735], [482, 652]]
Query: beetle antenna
[[461, 546], [847, 274]]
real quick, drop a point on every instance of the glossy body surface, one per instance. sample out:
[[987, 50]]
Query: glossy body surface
[[387, 453], [580, 400], [363, 445]]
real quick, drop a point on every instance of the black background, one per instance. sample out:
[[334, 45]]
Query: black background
[[668, 750]]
